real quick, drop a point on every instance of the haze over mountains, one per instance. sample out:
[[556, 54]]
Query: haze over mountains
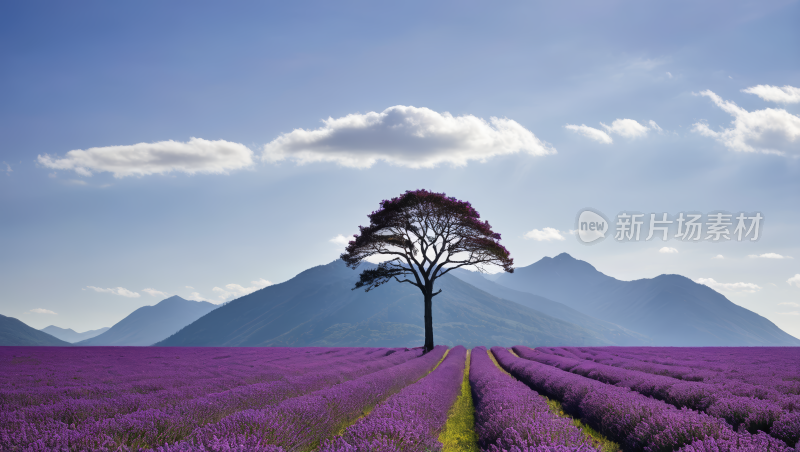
[[558, 300], [670, 309], [555, 301], [150, 324], [318, 308], [15, 332], [70, 335]]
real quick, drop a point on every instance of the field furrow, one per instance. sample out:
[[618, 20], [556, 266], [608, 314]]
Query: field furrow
[[635, 421]]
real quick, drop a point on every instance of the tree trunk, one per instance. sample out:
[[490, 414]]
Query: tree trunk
[[428, 322]]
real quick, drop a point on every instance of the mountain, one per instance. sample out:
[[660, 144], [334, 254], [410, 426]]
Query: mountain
[[70, 335], [150, 324], [14, 332], [318, 308], [670, 309], [607, 330]]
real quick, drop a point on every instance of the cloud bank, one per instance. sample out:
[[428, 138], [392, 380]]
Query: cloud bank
[[768, 131], [340, 240], [121, 291], [627, 128], [769, 256], [143, 159], [195, 296], [410, 137], [235, 290], [782, 95], [155, 293], [544, 235], [590, 132], [739, 287]]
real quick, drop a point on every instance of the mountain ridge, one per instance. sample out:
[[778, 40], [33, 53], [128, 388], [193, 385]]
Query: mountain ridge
[[670, 309], [150, 324], [70, 335], [319, 308], [14, 332]]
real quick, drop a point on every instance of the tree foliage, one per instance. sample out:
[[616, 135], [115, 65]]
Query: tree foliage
[[424, 235]]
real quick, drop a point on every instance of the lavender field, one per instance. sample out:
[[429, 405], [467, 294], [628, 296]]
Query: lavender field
[[382, 399]]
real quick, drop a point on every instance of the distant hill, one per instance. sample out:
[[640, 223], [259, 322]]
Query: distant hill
[[670, 309], [15, 332], [607, 330], [70, 335], [318, 308], [150, 324]]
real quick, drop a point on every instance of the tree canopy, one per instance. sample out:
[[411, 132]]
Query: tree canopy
[[424, 235]]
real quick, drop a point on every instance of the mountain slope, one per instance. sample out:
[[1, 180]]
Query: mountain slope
[[70, 335], [318, 308], [607, 330], [150, 324], [670, 309], [15, 332]]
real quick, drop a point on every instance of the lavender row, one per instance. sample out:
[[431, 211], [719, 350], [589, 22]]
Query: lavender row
[[749, 413], [410, 420], [629, 418], [151, 427], [77, 411], [303, 422], [773, 369], [46, 375], [509, 416], [42, 377], [774, 381]]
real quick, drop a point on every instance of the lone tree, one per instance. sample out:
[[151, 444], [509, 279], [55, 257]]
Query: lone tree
[[426, 235]]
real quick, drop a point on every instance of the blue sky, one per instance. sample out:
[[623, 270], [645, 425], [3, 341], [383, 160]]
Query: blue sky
[[290, 122]]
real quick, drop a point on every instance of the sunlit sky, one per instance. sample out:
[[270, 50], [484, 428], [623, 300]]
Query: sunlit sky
[[205, 150]]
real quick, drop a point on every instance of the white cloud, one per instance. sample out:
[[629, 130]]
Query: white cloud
[[669, 74], [76, 182], [718, 256], [340, 240], [789, 303], [378, 258], [121, 291], [769, 256], [544, 235], [195, 296], [235, 290], [785, 95], [790, 313], [668, 250], [590, 132], [42, 311], [155, 293], [405, 136], [739, 287], [8, 169], [794, 280], [190, 287], [655, 126], [769, 131], [627, 128], [195, 156]]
